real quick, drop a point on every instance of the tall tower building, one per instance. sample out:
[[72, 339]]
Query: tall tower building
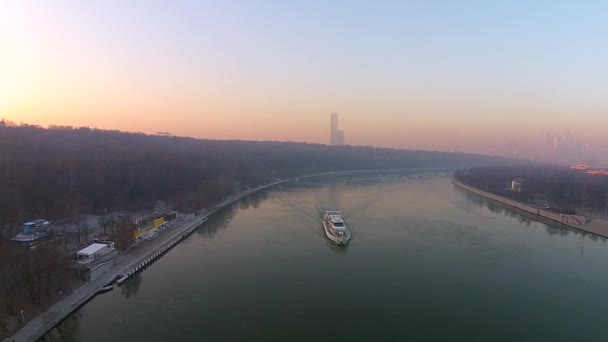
[[336, 136], [333, 129], [555, 144]]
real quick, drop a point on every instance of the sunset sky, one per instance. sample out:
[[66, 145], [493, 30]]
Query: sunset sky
[[443, 75]]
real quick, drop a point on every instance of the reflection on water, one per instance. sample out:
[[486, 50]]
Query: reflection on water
[[220, 220], [338, 249], [333, 198], [253, 201], [130, 287], [68, 330], [525, 218], [426, 261]]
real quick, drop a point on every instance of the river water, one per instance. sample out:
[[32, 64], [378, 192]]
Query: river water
[[427, 261]]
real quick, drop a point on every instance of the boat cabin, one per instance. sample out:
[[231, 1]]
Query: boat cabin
[[336, 221], [36, 226]]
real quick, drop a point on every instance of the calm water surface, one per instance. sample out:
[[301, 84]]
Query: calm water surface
[[427, 261]]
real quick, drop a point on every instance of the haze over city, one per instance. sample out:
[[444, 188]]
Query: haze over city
[[420, 75], [303, 170]]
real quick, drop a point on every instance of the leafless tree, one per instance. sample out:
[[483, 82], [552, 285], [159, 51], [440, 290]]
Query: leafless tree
[[64, 236], [85, 229], [123, 236], [105, 220], [77, 232]]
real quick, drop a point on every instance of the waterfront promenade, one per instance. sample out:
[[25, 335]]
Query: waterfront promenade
[[121, 264], [587, 224], [37, 327]]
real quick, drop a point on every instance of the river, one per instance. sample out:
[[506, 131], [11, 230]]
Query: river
[[427, 261]]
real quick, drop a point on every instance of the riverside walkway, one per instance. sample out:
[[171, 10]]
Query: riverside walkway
[[120, 265], [595, 226], [37, 327]]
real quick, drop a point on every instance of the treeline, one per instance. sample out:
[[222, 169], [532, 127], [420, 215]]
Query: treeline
[[562, 186], [63, 171]]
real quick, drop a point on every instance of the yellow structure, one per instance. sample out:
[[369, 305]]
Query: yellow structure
[[137, 233], [159, 222]]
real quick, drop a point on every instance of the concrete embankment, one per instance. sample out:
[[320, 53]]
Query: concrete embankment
[[595, 226], [149, 258]]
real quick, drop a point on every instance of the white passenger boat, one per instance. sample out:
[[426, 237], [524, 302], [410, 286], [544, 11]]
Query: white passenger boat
[[335, 227]]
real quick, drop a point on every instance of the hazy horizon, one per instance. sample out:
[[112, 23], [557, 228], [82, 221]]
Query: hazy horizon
[[510, 79]]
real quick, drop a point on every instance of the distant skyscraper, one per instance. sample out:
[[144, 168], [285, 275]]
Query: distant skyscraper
[[333, 129], [555, 143], [340, 138], [336, 137]]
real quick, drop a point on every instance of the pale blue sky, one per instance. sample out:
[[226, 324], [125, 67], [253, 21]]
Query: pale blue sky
[[425, 74]]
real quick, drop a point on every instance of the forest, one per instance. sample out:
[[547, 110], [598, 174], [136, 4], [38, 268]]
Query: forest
[[559, 186], [59, 172]]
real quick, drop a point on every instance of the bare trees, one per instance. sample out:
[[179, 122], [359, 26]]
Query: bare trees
[[213, 191], [85, 229], [108, 223], [29, 278], [77, 234], [123, 234], [564, 187], [64, 236], [65, 171], [105, 222]]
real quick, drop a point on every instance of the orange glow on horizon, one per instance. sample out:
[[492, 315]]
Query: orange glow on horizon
[[220, 73]]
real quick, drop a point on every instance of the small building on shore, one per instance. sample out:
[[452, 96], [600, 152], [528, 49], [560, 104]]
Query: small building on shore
[[170, 216], [522, 184], [94, 252]]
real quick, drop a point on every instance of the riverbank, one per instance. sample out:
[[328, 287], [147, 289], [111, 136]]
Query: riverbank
[[123, 264], [595, 226], [131, 261]]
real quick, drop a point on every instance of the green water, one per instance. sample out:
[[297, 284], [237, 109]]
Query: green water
[[427, 261]]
